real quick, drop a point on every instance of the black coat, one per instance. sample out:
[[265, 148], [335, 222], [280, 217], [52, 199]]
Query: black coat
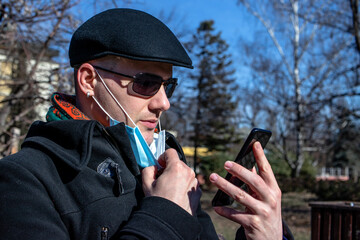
[[52, 189]]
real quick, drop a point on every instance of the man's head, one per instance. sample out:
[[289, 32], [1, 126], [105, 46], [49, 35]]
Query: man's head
[[130, 54]]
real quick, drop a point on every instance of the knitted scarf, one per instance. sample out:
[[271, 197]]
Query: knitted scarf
[[63, 108]]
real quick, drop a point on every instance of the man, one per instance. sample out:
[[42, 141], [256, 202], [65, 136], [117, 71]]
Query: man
[[97, 170]]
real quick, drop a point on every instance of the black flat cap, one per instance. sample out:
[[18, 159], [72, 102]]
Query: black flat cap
[[127, 33]]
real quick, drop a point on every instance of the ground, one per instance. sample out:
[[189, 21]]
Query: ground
[[295, 211]]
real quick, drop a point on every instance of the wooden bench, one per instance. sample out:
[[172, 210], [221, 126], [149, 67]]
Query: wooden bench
[[335, 220]]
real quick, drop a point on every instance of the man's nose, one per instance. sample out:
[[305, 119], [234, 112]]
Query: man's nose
[[160, 101]]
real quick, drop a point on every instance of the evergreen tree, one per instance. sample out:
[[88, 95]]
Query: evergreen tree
[[346, 148], [214, 103]]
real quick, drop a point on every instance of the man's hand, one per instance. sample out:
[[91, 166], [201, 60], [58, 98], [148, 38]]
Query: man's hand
[[262, 216], [176, 183]]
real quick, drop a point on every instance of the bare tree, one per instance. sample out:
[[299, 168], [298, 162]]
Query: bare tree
[[340, 15], [32, 34], [302, 71]]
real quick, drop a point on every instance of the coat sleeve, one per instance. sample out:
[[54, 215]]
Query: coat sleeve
[[159, 218], [26, 211], [207, 227]]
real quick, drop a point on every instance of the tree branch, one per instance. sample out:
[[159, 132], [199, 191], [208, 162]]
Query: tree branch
[[354, 4]]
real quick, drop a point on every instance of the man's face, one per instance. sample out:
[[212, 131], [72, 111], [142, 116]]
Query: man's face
[[144, 111]]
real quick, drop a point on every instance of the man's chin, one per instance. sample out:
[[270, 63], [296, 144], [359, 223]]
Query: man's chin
[[149, 137]]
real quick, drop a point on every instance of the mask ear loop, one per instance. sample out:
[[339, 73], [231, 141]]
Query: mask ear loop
[[113, 97], [101, 107], [159, 125]]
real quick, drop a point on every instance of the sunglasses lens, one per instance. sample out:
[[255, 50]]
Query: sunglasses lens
[[170, 89], [147, 84]]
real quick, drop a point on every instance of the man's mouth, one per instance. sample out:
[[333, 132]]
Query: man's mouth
[[149, 123]]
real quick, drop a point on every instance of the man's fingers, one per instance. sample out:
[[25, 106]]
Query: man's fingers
[[175, 182], [148, 178], [264, 167], [168, 156], [239, 217], [234, 192], [253, 180]]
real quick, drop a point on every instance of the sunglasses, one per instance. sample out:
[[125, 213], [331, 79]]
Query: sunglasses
[[147, 84]]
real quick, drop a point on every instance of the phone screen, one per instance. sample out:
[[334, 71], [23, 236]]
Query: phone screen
[[246, 159]]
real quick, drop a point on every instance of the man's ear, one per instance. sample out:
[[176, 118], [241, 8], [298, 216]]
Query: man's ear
[[86, 79]]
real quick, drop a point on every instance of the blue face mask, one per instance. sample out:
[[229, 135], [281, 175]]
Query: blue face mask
[[145, 156]]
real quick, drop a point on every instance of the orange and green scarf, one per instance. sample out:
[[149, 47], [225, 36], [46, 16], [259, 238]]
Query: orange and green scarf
[[63, 108]]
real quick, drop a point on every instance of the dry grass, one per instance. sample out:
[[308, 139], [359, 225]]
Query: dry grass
[[296, 213]]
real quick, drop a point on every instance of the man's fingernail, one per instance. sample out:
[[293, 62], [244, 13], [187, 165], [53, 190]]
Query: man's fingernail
[[257, 145], [213, 177], [228, 164]]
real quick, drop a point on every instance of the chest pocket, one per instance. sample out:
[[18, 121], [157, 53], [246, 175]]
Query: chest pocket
[[108, 168]]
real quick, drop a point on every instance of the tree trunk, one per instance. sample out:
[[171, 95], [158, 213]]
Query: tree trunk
[[298, 97]]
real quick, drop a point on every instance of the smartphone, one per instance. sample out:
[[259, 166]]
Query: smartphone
[[245, 158]]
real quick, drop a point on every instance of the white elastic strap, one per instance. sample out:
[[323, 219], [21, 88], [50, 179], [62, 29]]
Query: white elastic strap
[[159, 125], [113, 98], [102, 107]]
